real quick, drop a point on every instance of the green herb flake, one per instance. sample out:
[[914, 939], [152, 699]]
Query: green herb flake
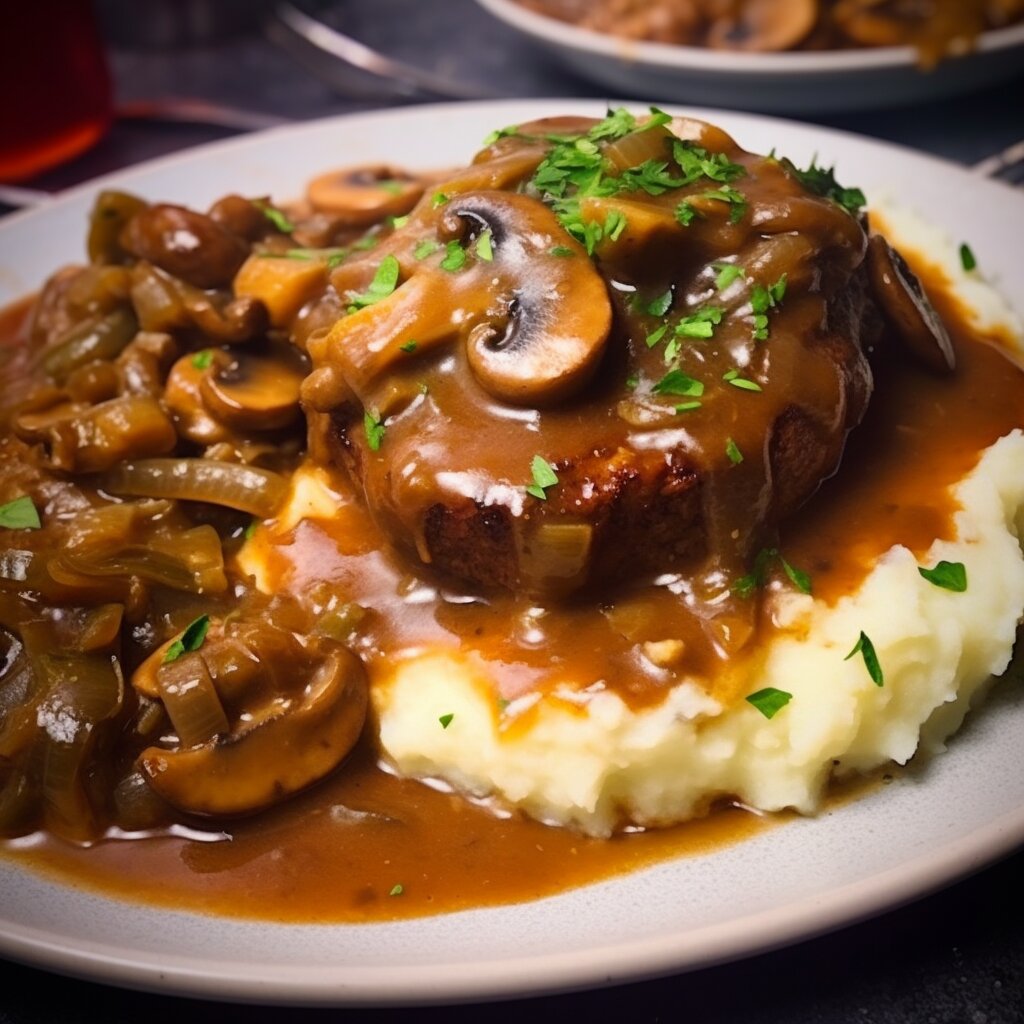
[[659, 306], [866, 649], [733, 377], [500, 133], [561, 251], [616, 124], [688, 406], [655, 336], [366, 243], [408, 346], [733, 452], [726, 274], [336, 259], [446, 720], [384, 282], [19, 514], [769, 701], [396, 890], [374, 428], [399, 222], [700, 324], [696, 162], [652, 177], [438, 199], [190, 640], [736, 200], [800, 579], [485, 246], [454, 257], [823, 183], [675, 382], [389, 185], [948, 575], [544, 476], [203, 360], [614, 224], [276, 217], [967, 259], [250, 530], [425, 248], [632, 382], [685, 213], [656, 120]]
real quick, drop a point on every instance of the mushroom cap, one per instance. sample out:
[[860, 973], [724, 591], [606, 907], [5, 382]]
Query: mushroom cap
[[765, 25], [260, 764], [255, 392], [907, 309]]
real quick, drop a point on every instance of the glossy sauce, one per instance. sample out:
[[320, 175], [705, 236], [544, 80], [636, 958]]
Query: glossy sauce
[[367, 846]]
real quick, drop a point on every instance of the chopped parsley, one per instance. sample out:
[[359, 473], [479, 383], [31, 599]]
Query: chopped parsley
[[758, 575], [685, 213], [675, 382], [396, 890], [250, 531], [655, 336], [763, 299], [425, 248], [438, 199], [632, 382], [408, 346], [389, 185], [276, 217], [446, 720], [736, 200], [769, 701], [967, 259], [866, 649], [696, 162], [700, 324], [484, 247], [190, 640], [614, 224], [375, 430], [823, 183], [19, 514], [500, 133], [800, 579], [202, 360], [544, 476], [733, 377], [688, 406], [399, 222], [726, 274], [732, 450], [454, 256], [659, 306], [384, 282], [365, 243], [561, 251], [652, 177], [948, 575]]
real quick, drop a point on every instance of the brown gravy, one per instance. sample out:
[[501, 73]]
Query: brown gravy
[[366, 846]]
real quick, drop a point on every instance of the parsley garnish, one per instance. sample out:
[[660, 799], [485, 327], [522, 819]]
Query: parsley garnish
[[250, 531], [696, 163], [727, 273], [374, 428], [700, 324], [675, 382], [685, 213], [446, 720], [652, 177], [866, 649], [365, 243], [389, 185], [408, 346], [948, 575], [655, 336], [632, 382], [823, 182], [383, 284], [736, 199], [800, 579], [733, 377], [399, 222], [688, 406], [500, 133], [396, 890], [190, 640], [659, 306], [967, 260], [769, 701], [758, 575], [454, 257], [438, 199], [614, 224], [202, 360], [484, 247], [763, 299], [544, 476], [19, 514], [732, 450], [561, 251], [425, 248], [276, 217]]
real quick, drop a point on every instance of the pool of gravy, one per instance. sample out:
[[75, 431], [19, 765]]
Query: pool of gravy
[[368, 846]]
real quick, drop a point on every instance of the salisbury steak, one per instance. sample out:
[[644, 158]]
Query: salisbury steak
[[605, 349]]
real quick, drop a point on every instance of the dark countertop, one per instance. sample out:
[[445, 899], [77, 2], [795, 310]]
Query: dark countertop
[[955, 957]]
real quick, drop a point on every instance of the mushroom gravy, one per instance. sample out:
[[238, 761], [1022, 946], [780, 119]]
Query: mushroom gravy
[[363, 844]]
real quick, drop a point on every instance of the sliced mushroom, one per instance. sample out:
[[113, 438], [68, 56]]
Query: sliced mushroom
[[286, 745], [906, 307], [184, 399], [547, 343], [365, 195], [765, 25], [253, 392]]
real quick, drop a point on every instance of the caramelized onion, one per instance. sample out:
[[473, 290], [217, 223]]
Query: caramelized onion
[[246, 488]]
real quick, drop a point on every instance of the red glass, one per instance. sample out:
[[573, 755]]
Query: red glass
[[55, 97]]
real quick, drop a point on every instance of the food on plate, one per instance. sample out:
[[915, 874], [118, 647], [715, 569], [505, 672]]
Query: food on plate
[[599, 482], [936, 28]]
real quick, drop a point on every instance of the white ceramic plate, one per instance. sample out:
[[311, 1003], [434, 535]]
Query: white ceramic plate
[[787, 884], [782, 83]]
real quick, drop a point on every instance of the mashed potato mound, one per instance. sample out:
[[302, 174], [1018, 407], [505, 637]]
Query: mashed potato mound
[[583, 758]]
